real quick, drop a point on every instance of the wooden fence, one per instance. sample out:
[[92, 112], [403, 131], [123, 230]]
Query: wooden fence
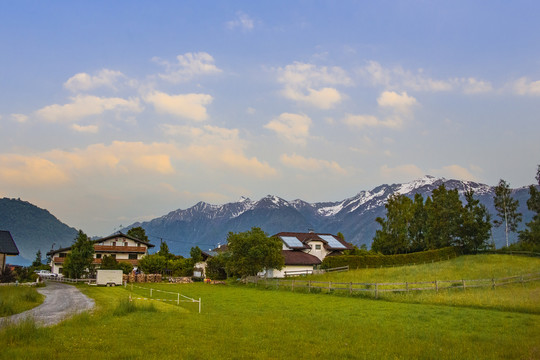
[[292, 273], [377, 288]]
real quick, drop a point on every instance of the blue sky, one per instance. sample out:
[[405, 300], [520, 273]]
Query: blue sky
[[116, 112]]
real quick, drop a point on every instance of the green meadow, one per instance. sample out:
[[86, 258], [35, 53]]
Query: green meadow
[[16, 299], [245, 322]]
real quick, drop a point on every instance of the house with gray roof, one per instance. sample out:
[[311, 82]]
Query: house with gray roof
[[7, 248]]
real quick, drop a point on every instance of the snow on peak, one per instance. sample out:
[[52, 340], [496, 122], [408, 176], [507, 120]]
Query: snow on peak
[[413, 185]]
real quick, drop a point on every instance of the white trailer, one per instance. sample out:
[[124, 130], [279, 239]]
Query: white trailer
[[109, 277]]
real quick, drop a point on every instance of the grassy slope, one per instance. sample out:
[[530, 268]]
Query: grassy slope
[[240, 322], [16, 299]]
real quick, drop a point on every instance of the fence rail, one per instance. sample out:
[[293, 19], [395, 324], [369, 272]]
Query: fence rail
[[377, 288], [68, 280], [291, 273], [153, 296]]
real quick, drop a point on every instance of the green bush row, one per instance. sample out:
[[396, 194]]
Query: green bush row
[[370, 261]]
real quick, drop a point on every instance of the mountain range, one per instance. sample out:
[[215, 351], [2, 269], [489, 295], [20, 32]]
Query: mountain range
[[206, 225]]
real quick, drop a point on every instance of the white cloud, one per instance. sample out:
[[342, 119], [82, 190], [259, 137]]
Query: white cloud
[[85, 82], [398, 101], [188, 66], [242, 21], [86, 105], [311, 164], [524, 86], [308, 83], [399, 78], [21, 170], [217, 149], [20, 118], [400, 105], [190, 106], [85, 128], [292, 127]]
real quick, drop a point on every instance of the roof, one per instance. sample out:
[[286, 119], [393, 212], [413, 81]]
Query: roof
[[299, 258], [7, 245], [331, 242], [214, 252], [117, 235]]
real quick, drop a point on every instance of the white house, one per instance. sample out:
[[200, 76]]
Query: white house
[[122, 247], [304, 252]]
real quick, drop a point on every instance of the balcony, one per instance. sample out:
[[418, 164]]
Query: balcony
[[120, 249], [129, 261]]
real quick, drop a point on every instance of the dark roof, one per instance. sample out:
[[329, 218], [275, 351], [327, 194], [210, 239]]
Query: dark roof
[[310, 236], [211, 253], [119, 234], [299, 258], [7, 245]]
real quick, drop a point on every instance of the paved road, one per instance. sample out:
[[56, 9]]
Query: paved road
[[61, 301]]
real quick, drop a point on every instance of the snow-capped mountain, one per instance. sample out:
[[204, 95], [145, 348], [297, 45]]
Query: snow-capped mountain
[[206, 225]]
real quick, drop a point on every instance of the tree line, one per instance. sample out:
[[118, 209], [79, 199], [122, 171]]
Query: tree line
[[442, 220]]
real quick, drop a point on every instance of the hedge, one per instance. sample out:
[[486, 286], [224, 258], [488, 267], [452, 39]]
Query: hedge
[[366, 261]]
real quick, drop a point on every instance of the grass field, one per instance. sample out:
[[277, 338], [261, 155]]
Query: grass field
[[239, 322], [16, 299]]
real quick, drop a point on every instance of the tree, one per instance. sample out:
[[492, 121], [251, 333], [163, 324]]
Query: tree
[[37, 262], [108, 262], [443, 220], [164, 251], [253, 251], [79, 260], [138, 233], [506, 208], [530, 237], [216, 267], [393, 237], [153, 264], [476, 225], [196, 254]]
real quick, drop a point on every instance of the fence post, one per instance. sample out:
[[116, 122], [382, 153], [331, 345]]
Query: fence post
[[407, 286], [178, 299], [376, 291], [309, 285], [199, 305], [436, 286], [463, 282], [350, 288], [492, 283], [150, 293], [329, 287]]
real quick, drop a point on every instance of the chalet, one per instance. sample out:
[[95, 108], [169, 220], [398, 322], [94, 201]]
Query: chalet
[[304, 252], [7, 248], [122, 247]]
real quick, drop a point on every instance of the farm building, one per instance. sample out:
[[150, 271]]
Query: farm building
[[7, 248], [122, 247]]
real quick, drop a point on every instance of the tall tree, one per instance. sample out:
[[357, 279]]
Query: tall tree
[[531, 235], [79, 260], [196, 254], [37, 262], [506, 207], [443, 217], [138, 233], [476, 225], [164, 251], [252, 252], [393, 237]]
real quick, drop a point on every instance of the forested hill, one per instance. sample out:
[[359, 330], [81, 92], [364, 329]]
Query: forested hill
[[32, 229]]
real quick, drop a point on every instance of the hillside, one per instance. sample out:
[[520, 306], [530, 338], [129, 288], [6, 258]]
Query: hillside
[[32, 229]]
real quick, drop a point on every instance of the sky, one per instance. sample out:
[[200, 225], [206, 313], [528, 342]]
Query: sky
[[113, 112]]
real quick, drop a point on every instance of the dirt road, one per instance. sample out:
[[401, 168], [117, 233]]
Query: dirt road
[[61, 302]]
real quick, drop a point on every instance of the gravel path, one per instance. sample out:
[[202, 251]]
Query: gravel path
[[61, 301]]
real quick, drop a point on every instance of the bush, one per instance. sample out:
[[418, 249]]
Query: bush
[[363, 261]]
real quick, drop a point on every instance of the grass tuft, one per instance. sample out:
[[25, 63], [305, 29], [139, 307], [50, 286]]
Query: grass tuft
[[125, 307]]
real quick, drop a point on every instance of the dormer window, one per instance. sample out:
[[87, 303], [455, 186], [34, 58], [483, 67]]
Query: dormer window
[[318, 247]]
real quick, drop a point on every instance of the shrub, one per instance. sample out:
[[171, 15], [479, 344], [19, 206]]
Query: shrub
[[363, 261]]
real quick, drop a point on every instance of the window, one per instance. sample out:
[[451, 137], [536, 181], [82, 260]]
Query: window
[[318, 247], [62, 255], [125, 243], [60, 270], [114, 243], [132, 256], [113, 256], [98, 256]]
